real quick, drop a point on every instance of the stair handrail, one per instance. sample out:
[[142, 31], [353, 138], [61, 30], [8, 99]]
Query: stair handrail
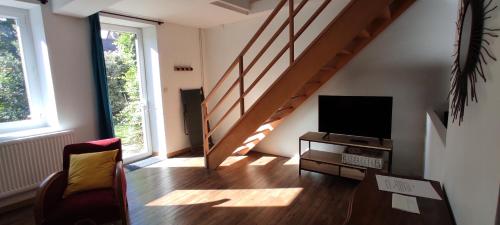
[[243, 71], [245, 49]]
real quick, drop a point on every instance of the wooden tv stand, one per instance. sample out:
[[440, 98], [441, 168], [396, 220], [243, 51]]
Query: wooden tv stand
[[331, 163]]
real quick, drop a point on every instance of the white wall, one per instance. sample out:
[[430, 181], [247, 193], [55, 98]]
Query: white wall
[[74, 83], [472, 160], [68, 43], [178, 45], [154, 89], [410, 61]]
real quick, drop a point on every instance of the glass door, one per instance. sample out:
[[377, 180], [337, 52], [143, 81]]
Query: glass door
[[127, 89]]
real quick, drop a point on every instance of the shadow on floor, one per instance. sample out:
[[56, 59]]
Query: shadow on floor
[[252, 189]]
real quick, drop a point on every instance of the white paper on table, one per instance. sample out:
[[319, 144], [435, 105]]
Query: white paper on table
[[407, 186], [405, 203]]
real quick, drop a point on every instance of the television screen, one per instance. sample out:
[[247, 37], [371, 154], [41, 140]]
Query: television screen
[[356, 115]]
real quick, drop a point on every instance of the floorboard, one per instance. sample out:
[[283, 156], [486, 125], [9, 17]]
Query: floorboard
[[244, 190]]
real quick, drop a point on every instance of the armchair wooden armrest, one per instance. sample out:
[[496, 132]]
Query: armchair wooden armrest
[[120, 186], [49, 193]]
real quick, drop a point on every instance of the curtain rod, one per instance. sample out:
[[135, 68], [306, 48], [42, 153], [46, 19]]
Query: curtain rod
[[123, 15], [133, 17]]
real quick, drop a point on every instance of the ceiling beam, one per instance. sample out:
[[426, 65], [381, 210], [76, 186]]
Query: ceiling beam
[[237, 6], [80, 8]]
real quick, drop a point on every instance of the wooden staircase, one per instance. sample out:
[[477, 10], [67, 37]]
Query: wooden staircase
[[344, 37]]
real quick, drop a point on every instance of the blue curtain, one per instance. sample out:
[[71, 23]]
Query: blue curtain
[[105, 119]]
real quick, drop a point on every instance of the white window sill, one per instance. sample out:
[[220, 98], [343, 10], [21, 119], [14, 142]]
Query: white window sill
[[31, 133]]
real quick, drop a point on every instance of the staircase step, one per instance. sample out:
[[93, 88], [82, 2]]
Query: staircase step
[[283, 113], [314, 82], [284, 109], [364, 34], [244, 149], [366, 19], [299, 97], [312, 85], [258, 135], [328, 68], [387, 14], [272, 120], [345, 52]]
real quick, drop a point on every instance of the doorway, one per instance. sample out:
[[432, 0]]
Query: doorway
[[123, 53]]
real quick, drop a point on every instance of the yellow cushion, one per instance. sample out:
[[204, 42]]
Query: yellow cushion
[[90, 171]]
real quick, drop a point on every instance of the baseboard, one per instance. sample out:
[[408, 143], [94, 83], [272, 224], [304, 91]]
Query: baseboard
[[17, 201], [269, 154], [178, 152]]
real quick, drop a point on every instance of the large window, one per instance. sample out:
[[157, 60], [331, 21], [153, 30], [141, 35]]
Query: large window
[[20, 97]]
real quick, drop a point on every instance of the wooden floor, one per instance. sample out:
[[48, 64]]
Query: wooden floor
[[253, 189]]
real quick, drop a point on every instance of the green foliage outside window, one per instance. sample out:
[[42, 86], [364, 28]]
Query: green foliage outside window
[[124, 90], [14, 105]]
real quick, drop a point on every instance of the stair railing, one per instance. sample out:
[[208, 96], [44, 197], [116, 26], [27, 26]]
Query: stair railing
[[208, 113]]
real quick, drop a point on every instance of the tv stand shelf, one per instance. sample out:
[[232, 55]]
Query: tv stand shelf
[[331, 163]]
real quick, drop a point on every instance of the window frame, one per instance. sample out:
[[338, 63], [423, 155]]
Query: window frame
[[38, 117], [143, 86]]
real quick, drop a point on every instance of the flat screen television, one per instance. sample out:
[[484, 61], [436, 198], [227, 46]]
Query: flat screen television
[[364, 116]]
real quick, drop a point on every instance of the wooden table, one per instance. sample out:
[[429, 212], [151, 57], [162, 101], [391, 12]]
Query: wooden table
[[371, 206], [331, 163]]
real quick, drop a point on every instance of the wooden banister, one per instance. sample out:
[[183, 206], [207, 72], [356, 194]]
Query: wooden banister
[[221, 80], [243, 71], [245, 49], [291, 32], [263, 27], [223, 98], [206, 142], [283, 50], [266, 46], [224, 117], [268, 67], [242, 87], [275, 35], [311, 19]]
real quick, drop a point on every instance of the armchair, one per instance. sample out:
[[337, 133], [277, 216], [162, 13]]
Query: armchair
[[100, 206]]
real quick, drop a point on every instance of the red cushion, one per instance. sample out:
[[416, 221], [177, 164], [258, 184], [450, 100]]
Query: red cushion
[[97, 205]]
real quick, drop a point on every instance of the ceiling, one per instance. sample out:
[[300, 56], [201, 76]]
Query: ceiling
[[194, 13]]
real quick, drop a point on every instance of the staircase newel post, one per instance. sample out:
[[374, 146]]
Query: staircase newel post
[[242, 87], [291, 31]]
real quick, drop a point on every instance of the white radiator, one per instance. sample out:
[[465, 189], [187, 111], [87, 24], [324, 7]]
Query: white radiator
[[25, 162]]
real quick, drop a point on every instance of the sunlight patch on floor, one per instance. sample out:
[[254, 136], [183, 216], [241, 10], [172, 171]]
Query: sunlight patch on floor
[[193, 162], [268, 197], [262, 161], [232, 160], [293, 161], [180, 162]]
